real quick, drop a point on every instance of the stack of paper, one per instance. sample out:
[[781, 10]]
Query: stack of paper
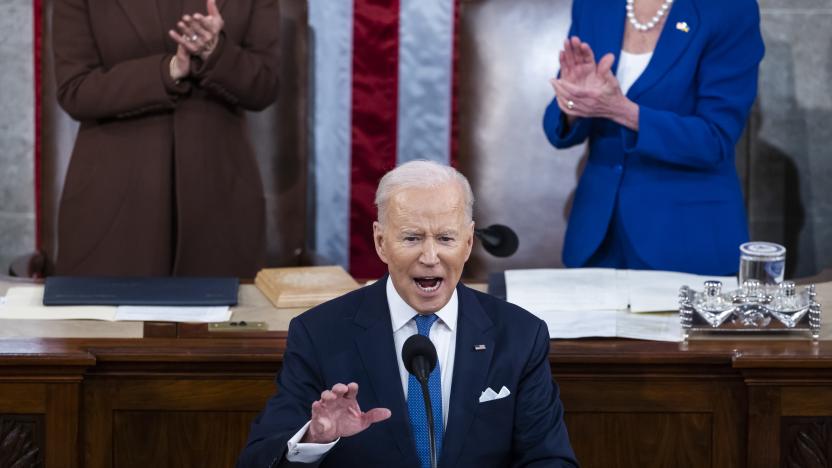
[[658, 291], [574, 290], [583, 302], [26, 303], [304, 286], [608, 323]]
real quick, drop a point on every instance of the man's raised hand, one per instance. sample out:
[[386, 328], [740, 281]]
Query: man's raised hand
[[337, 414]]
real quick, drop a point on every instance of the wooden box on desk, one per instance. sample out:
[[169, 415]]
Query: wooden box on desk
[[303, 286]]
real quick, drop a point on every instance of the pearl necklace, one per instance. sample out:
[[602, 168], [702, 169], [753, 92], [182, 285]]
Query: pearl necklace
[[631, 16]]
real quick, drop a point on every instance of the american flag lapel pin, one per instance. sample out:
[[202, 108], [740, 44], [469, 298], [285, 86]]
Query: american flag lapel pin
[[682, 26], [479, 347]]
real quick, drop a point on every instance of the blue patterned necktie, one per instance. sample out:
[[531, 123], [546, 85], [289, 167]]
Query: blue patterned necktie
[[416, 404]]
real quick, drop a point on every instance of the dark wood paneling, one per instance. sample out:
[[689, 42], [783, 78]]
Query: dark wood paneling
[[176, 439], [641, 439], [62, 425], [764, 426], [807, 442], [168, 402], [194, 394], [21, 441], [802, 401], [647, 395], [730, 419], [40, 381], [22, 398], [626, 406], [157, 414]]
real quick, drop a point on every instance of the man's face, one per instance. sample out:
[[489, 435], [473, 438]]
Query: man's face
[[425, 241]]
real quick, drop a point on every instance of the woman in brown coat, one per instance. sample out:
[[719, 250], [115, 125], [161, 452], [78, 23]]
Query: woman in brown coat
[[163, 179]]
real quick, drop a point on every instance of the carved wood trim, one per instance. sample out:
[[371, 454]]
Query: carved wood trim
[[807, 442], [21, 441]]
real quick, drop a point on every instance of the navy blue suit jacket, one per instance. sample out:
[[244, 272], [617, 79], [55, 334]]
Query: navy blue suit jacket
[[350, 339], [674, 182]]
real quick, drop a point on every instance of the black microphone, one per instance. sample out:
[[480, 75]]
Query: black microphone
[[498, 240], [419, 357]]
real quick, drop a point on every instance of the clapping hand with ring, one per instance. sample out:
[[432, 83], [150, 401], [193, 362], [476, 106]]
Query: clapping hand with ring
[[585, 88], [198, 34]]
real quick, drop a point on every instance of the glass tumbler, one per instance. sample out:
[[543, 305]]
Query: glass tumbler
[[762, 261]]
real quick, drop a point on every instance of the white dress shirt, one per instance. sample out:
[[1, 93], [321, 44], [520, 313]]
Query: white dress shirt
[[443, 336]]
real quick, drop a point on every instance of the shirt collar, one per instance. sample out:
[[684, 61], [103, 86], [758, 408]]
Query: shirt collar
[[401, 312]]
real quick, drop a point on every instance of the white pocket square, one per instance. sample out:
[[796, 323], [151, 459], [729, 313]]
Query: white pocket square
[[491, 395]]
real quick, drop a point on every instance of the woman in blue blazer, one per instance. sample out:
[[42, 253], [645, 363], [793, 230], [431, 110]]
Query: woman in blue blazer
[[660, 188]]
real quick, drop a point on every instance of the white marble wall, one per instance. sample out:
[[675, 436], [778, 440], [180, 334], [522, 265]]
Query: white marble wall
[[17, 123]]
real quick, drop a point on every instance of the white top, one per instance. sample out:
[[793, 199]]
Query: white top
[[443, 336], [630, 67]]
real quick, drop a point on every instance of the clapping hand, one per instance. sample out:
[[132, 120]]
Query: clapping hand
[[337, 414], [180, 64], [587, 89], [577, 62], [198, 34]]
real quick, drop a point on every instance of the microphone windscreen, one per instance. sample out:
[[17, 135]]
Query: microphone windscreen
[[499, 240], [418, 346]]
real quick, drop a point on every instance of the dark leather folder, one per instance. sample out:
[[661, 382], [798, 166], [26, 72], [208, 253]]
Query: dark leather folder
[[174, 291]]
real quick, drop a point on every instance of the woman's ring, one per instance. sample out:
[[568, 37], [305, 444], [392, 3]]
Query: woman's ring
[[193, 38], [570, 104]]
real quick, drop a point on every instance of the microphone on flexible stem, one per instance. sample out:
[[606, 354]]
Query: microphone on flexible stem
[[498, 240], [419, 357]]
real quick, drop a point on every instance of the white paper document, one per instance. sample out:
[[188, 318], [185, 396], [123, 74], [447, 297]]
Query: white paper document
[[563, 324], [574, 289], [26, 303], [566, 289], [174, 314], [611, 324], [658, 291], [603, 302], [664, 327]]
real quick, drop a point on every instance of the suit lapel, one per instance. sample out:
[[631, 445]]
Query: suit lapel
[[609, 30], [671, 44], [144, 16], [378, 354], [470, 372]]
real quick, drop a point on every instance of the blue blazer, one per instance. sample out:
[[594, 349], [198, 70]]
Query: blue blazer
[[674, 182], [351, 339]]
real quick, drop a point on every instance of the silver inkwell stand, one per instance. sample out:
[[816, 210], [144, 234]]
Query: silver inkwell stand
[[764, 303]]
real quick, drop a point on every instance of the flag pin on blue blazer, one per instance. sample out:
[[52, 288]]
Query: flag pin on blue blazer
[[682, 26], [479, 347]]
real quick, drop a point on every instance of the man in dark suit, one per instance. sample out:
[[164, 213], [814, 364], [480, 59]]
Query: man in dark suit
[[494, 400]]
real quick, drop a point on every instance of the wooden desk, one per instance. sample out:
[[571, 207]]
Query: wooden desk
[[188, 400]]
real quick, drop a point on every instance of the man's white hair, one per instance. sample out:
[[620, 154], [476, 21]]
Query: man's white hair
[[421, 174]]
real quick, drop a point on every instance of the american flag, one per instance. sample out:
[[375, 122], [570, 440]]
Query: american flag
[[384, 86]]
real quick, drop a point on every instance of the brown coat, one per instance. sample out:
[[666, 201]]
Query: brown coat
[[162, 178]]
